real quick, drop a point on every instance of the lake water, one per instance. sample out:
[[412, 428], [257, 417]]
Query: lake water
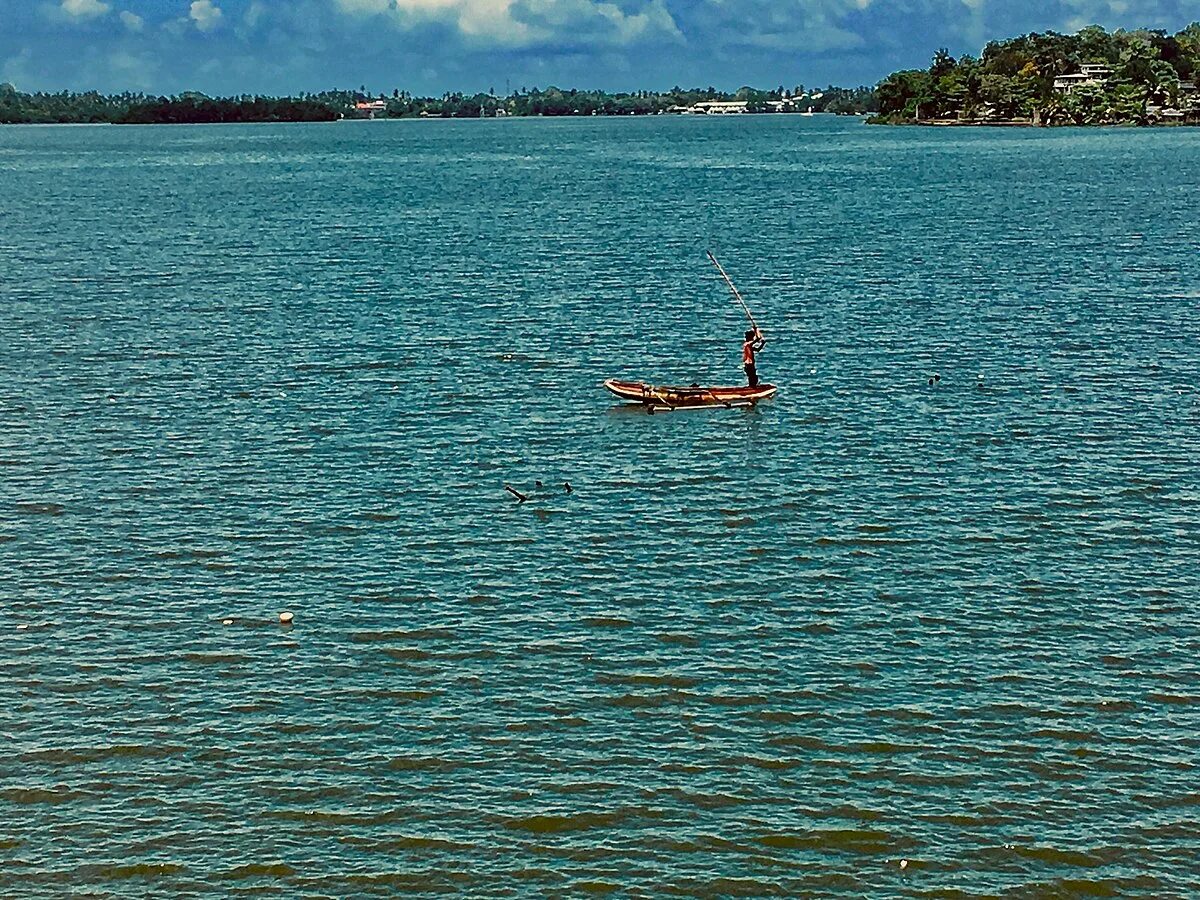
[[769, 651]]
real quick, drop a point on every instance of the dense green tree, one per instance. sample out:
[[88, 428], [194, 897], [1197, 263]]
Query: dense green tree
[[902, 93], [1015, 79]]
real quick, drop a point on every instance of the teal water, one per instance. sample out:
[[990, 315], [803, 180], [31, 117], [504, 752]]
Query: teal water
[[772, 651]]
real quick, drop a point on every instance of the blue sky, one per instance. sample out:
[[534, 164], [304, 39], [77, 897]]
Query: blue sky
[[429, 46]]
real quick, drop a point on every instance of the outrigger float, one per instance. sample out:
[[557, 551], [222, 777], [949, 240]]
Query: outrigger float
[[694, 397]]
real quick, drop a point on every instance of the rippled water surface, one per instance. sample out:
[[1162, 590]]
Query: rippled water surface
[[770, 651]]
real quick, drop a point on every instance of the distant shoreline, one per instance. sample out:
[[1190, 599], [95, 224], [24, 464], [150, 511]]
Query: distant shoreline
[[193, 108]]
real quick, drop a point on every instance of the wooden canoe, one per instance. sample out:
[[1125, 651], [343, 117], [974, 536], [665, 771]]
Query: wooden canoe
[[664, 397]]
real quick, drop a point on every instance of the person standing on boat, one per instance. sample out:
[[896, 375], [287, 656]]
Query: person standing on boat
[[753, 343]]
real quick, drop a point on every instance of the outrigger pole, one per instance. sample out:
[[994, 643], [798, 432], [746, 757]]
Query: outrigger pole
[[732, 287]]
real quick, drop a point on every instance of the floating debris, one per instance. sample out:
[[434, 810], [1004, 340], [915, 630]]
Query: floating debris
[[567, 487], [521, 498], [285, 618]]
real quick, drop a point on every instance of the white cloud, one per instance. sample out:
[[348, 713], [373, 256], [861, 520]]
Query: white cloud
[[597, 23], [523, 23], [365, 6], [254, 12], [132, 21], [84, 9], [15, 69], [133, 71], [205, 14]]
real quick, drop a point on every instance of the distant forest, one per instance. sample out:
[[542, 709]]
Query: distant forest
[[1093, 77], [128, 108]]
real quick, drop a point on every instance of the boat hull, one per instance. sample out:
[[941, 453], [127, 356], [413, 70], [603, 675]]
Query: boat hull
[[667, 397]]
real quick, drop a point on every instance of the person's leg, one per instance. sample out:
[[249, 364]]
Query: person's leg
[[751, 375]]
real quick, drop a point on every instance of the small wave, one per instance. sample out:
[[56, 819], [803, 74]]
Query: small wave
[[884, 748], [639, 701], [1055, 857], [770, 763], [406, 654], [548, 823], [410, 696], [852, 840], [683, 640], [216, 659], [423, 764], [260, 870], [1065, 734], [858, 541], [728, 886], [49, 796], [803, 741], [707, 801], [141, 870], [412, 882], [734, 699], [41, 509], [1173, 699], [651, 679], [410, 842], [595, 887], [418, 634], [1079, 887]]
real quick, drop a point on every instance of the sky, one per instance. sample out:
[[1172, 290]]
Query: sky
[[432, 46]]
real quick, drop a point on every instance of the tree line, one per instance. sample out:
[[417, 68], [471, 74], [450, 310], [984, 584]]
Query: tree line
[[553, 101], [135, 108], [1139, 77]]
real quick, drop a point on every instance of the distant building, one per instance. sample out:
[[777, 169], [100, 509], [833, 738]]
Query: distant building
[[721, 107], [1088, 74], [368, 109]]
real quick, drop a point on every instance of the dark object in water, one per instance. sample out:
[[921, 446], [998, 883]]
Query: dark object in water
[[521, 498]]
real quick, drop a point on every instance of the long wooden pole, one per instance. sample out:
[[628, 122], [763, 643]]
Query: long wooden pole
[[733, 288]]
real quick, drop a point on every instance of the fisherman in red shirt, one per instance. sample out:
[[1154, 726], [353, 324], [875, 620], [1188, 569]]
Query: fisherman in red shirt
[[753, 343]]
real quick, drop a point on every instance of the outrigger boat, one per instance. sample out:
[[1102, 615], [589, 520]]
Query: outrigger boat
[[694, 397], [672, 398]]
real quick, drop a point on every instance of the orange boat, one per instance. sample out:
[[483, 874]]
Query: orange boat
[[671, 398]]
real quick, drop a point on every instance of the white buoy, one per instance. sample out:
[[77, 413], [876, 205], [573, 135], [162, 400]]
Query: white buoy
[[904, 863], [285, 618], [227, 621]]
